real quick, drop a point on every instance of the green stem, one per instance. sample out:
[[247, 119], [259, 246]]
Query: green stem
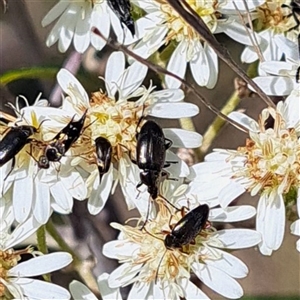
[[36, 72], [42, 246], [217, 124]]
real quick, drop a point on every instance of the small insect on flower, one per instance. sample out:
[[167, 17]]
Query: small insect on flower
[[122, 9], [62, 142], [104, 155], [150, 156], [186, 229]]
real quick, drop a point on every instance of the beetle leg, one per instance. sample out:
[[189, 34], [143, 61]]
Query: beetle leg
[[166, 174], [168, 143], [168, 163]]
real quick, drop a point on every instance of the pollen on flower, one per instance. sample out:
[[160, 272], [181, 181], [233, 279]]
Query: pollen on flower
[[159, 262], [276, 15], [116, 121], [179, 29], [272, 158], [8, 259]]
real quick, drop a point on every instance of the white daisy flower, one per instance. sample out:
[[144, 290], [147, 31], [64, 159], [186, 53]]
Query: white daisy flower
[[162, 25], [282, 80], [14, 281], [32, 190], [159, 266], [267, 165], [80, 291], [114, 116], [273, 18], [76, 20]]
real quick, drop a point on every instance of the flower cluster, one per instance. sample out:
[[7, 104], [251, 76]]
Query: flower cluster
[[114, 136]]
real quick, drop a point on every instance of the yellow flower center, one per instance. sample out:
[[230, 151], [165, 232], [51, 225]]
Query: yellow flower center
[[178, 28], [116, 121], [273, 15], [9, 259], [272, 158]]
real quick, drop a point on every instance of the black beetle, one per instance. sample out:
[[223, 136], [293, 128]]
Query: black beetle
[[150, 156], [122, 9], [186, 229], [104, 153], [13, 142]]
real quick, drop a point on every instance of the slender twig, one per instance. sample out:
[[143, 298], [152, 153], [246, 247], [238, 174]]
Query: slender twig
[[189, 86], [194, 20], [252, 38]]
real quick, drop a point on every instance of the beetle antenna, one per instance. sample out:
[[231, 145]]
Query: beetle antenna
[[171, 204], [156, 276]]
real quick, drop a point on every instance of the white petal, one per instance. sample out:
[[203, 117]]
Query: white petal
[[79, 291], [288, 47], [55, 12], [239, 33], [174, 111], [42, 264], [168, 95], [295, 227], [123, 274], [291, 111], [183, 138], [102, 22], [212, 59], [62, 197], [275, 223], [230, 7], [75, 185], [132, 78], [139, 290], [66, 79], [117, 249], [83, 31], [100, 195], [232, 213], [191, 290], [22, 232], [179, 169], [230, 192], [22, 205], [238, 238], [276, 67], [275, 86], [200, 67], [244, 120], [229, 264], [218, 281], [106, 292], [115, 66], [41, 209], [177, 65], [37, 289]]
